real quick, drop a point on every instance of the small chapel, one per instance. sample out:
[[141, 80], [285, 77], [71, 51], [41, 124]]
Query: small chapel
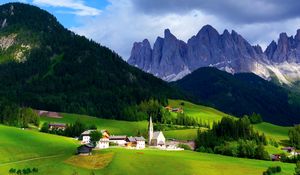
[[156, 138]]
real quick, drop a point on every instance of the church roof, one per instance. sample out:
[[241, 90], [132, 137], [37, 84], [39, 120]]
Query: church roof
[[156, 134], [140, 138]]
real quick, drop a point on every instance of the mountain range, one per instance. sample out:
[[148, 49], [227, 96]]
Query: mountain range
[[171, 59]]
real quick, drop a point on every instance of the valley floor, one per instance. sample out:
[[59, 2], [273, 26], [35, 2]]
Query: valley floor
[[35, 149]]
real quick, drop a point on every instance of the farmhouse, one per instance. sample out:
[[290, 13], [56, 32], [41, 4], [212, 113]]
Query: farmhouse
[[118, 139], [49, 114], [156, 138], [56, 126], [103, 143], [170, 109], [86, 136], [288, 149], [275, 157], [84, 150], [137, 142]]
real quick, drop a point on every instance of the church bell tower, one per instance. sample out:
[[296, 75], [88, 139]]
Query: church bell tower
[[150, 130]]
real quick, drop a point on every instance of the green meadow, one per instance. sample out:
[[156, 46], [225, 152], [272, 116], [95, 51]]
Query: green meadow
[[278, 133], [115, 127], [52, 154], [182, 134], [206, 114]]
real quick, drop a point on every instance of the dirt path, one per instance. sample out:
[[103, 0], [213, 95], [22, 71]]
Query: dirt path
[[27, 160]]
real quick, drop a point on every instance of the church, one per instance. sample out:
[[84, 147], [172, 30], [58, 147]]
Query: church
[[156, 138]]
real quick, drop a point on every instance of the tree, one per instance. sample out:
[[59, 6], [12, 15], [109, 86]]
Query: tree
[[93, 127], [12, 171], [95, 136], [294, 136], [28, 115], [261, 153], [255, 118], [45, 127], [297, 169], [35, 170]]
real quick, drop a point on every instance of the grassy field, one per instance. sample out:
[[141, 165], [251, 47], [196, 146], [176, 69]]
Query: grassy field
[[184, 134], [275, 132], [17, 144], [113, 126], [204, 113]]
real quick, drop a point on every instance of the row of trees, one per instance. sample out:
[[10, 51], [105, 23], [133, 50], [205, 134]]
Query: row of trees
[[234, 138], [294, 136], [242, 148], [13, 115], [73, 130], [23, 171]]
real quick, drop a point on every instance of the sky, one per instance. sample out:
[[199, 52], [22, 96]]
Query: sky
[[117, 24]]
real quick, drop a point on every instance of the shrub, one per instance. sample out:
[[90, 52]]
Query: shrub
[[272, 170], [297, 169], [184, 146]]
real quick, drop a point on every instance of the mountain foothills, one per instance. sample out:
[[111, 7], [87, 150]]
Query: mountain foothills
[[171, 59], [242, 93], [45, 66]]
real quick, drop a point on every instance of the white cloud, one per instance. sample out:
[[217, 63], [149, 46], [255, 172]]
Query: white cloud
[[120, 25], [78, 6]]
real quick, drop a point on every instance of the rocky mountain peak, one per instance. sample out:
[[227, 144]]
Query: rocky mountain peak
[[169, 36], [208, 30], [297, 36]]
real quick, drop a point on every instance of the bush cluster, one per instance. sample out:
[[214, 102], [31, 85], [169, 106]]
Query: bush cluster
[[233, 138], [272, 170], [23, 171], [13, 115]]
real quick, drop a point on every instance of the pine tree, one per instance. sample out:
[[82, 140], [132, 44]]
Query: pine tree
[[297, 169]]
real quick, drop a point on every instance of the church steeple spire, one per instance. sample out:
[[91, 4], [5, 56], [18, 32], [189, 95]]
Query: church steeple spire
[[150, 130]]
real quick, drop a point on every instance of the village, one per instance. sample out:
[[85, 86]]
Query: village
[[156, 140]]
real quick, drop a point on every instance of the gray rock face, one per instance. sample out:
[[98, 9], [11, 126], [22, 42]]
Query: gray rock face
[[287, 49], [171, 59], [165, 59], [141, 55]]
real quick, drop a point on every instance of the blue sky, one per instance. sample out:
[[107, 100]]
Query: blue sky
[[117, 24], [69, 14]]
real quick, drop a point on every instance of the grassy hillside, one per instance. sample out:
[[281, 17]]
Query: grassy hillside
[[17, 144], [278, 133], [184, 134], [114, 126], [205, 113]]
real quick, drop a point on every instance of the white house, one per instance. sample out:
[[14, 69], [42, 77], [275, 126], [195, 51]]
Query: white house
[[119, 140], [135, 142], [156, 138], [103, 143], [86, 138]]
